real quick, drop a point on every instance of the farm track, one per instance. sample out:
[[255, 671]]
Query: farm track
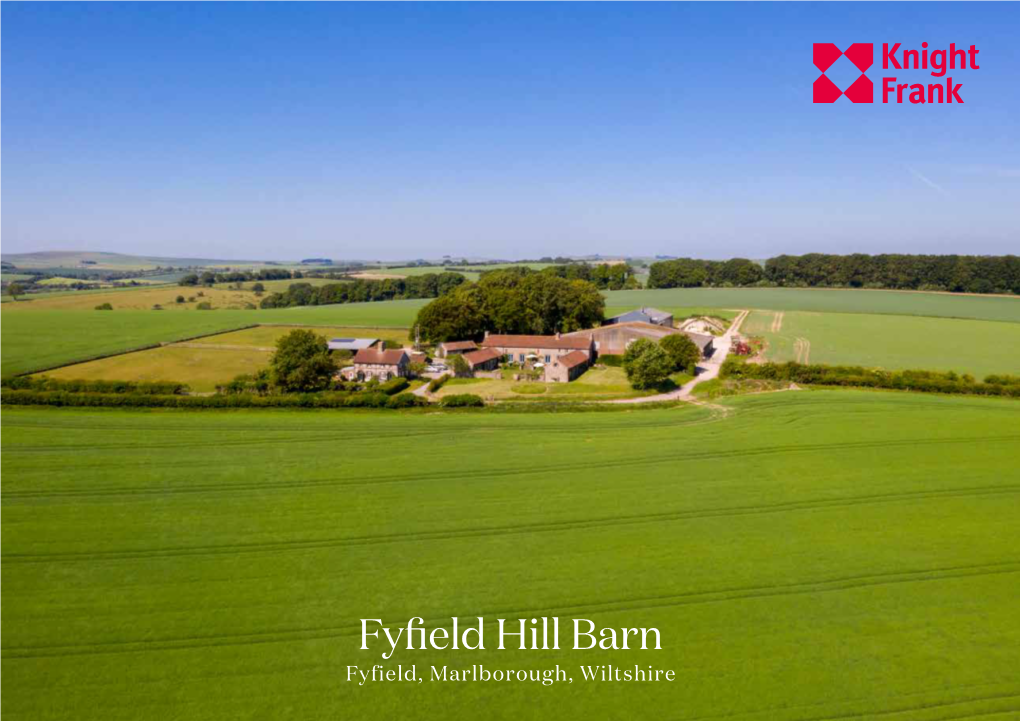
[[523, 528], [802, 350], [777, 322], [436, 476], [722, 595]]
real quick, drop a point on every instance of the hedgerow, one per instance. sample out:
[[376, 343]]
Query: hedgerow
[[436, 383], [860, 377], [394, 385], [43, 383]]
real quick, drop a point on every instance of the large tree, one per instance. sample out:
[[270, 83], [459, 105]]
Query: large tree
[[682, 352], [516, 300], [649, 368], [302, 363]]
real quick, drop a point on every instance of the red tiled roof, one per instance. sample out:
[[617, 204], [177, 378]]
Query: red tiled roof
[[380, 357], [459, 345], [576, 341], [481, 356], [573, 358]]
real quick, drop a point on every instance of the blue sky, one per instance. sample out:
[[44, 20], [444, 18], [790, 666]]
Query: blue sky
[[392, 131]]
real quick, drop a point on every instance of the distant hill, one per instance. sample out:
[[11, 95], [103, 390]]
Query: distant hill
[[113, 261]]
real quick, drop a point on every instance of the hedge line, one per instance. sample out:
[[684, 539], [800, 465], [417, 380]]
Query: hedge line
[[436, 383], [137, 400], [860, 377], [43, 383], [394, 385]]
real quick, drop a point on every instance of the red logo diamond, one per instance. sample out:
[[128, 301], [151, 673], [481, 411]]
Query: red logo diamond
[[860, 54]]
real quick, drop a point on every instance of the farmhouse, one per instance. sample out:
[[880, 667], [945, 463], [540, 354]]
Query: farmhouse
[[445, 350], [380, 364], [546, 352], [653, 316], [485, 359]]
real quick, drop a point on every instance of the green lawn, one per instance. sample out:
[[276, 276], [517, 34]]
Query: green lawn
[[813, 555], [943, 305], [894, 342]]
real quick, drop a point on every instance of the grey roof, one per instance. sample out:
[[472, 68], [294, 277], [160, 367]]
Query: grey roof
[[700, 339], [644, 315], [351, 343]]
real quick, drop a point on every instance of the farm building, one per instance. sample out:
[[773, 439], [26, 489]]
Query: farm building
[[381, 364], [351, 344], [539, 348], [485, 359], [614, 339], [445, 350], [652, 316], [568, 367], [546, 352]]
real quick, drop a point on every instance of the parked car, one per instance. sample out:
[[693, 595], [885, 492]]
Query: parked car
[[436, 368]]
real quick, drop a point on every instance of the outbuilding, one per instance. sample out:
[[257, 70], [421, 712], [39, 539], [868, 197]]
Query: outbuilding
[[445, 350], [381, 364]]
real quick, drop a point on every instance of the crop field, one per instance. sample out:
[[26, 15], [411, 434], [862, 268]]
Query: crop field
[[886, 341], [812, 555], [141, 299], [940, 305]]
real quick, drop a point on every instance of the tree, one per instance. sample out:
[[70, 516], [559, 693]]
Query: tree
[[302, 363], [682, 352], [259, 289], [104, 306], [634, 350], [15, 289], [189, 279], [650, 369], [180, 299], [460, 366]]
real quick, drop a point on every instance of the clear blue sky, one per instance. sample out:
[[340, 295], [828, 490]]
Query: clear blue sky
[[412, 130]]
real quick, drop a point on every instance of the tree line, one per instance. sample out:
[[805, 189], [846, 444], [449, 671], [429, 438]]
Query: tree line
[[514, 300], [605, 276], [952, 273], [430, 285]]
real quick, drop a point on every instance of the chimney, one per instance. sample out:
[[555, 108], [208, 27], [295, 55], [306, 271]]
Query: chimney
[[558, 335], [486, 334]]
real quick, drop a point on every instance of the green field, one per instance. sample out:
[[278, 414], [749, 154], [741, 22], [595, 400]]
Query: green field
[[47, 338], [207, 362], [942, 305], [893, 342], [813, 555]]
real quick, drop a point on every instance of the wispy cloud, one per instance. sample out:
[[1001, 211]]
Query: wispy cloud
[[927, 181]]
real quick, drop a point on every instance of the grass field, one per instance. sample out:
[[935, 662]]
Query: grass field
[[46, 338], [208, 362], [201, 368], [267, 335], [894, 342], [814, 555], [595, 384], [140, 299], [942, 305]]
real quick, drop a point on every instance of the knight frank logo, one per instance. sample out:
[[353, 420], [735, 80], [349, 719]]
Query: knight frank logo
[[862, 55]]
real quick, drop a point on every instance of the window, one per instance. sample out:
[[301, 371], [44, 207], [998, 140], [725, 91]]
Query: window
[[548, 359], [521, 357]]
